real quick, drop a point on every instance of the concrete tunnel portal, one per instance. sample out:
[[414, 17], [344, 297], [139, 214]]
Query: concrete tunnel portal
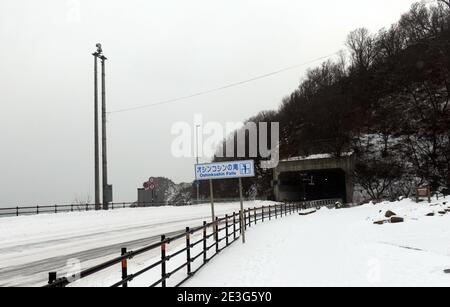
[[315, 178]]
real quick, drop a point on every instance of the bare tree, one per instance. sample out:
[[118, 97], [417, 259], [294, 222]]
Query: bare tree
[[362, 48], [446, 2]]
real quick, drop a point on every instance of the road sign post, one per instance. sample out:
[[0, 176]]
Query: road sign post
[[211, 193], [242, 212], [226, 170], [150, 185]]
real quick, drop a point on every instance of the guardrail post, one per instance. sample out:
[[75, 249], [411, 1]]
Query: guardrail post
[[227, 233], [256, 216], [217, 234], [163, 259], [234, 225], [37, 210], [52, 276], [112, 206], [124, 268], [71, 208], [17, 211], [263, 214], [205, 243], [188, 251], [87, 207], [56, 209]]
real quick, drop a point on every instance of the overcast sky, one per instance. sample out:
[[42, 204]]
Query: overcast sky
[[157, 50]]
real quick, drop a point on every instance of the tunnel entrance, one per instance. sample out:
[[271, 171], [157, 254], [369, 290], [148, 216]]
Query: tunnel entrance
[[315, 177], [312, 185]]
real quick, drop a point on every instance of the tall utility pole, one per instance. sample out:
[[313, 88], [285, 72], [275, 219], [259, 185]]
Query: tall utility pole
[[197, 183], [106, 188], [96, 142]]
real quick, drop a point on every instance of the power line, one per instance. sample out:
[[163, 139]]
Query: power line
[[217, 89]]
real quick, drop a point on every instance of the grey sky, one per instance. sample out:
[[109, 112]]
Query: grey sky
[[158, 50]]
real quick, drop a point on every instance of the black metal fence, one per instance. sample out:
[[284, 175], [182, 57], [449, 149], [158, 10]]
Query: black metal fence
[[35, 210], [53, 209], [196, 247]]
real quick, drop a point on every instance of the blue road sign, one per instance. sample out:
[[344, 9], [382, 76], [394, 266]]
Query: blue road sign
[[225, 170]]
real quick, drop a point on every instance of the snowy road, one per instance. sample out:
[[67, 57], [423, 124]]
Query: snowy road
[[30, 247], [35, 273]]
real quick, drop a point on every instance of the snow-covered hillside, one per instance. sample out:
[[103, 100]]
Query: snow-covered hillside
[[341, 248]]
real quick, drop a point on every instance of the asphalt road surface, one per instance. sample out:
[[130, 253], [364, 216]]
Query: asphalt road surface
[[35, 273]]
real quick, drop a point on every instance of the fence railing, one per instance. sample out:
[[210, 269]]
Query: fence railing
[[321, 203], [193, 249], [35, 210], [50, 209]]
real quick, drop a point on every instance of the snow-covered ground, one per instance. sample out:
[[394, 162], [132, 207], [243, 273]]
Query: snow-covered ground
[[340, 248], [328, 248], [32, 246]]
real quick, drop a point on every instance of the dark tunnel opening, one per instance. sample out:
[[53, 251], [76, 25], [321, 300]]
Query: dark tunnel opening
[[313, 185]]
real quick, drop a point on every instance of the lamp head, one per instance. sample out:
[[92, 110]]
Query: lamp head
[[99, 48]]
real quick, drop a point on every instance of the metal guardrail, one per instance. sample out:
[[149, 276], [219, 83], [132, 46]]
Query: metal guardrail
[[197, 253], [55, 209], [321, 203], [36, 210]]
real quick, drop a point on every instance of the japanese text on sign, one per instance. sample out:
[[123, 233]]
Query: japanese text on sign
[[225, 170]]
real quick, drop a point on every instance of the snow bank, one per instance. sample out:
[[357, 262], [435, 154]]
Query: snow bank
[[340, 248]]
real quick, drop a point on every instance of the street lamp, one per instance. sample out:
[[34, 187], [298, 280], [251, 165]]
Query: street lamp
[[107, 189], [96, 143]]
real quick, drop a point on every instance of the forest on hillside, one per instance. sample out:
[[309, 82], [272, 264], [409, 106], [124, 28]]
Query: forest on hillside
[[386, 99]]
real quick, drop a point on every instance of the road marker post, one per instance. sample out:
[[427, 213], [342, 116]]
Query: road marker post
[[124, 268]]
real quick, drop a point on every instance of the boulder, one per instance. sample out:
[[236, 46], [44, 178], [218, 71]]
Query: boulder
[[381, 222], [389, 214], [442, 212], [430, 214], [397, 219]]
